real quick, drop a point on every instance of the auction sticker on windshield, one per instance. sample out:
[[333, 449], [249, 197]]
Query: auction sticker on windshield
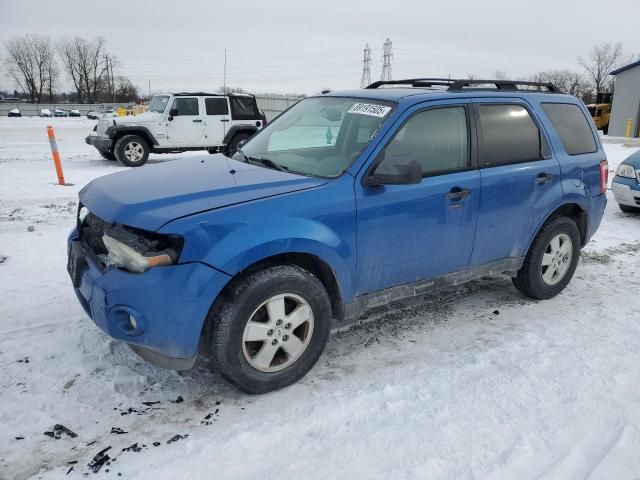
[[370, 109]]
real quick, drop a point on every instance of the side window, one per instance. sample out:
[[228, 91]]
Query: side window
[[244, 108], [186, 106], [216, 106], [572, 127], [509, 135], [437, 139]]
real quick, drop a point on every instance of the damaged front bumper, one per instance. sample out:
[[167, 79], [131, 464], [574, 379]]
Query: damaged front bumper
[[159, 313], [101, 142]]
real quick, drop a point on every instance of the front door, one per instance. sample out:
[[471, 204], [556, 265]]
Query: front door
[[408, 233], [216, 120], [187, 127]]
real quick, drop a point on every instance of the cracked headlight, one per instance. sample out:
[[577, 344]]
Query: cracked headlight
[[135, 253], [626, 171]]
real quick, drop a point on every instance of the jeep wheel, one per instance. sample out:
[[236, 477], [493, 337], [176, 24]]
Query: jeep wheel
[[107, 155], [271, 328], [551, 260], [629, 208], [131, 151], [232, 146]]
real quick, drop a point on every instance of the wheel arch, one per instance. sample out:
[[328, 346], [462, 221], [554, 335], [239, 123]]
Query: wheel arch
[[117, 133], [572, 210], [236, 129]]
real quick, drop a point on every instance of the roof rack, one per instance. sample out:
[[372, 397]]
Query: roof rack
[[461, 84]]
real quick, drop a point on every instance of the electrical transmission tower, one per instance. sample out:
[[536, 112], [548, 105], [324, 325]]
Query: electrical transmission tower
[[366, 67], [386, 61]]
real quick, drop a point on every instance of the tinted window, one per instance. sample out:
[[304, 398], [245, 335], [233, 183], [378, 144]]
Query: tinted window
[[437, 139], [186, 106], [572, 127], [509, 135], [244, 108], [216, 106]]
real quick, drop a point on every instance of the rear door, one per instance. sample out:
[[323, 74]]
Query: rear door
[[216, 119], [186, 128], [520, 178]]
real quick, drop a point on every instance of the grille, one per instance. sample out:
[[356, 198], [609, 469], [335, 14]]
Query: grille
[[91, 232]]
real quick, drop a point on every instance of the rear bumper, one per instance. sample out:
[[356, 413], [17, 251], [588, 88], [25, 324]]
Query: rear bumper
[[169, 305], [626, 191], [100, 142]]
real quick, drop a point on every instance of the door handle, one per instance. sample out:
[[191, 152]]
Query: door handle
[[224, 120], [543, 178], [458, 193], [197, 121]]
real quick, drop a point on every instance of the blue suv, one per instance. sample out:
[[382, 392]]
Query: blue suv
[[347, 201]]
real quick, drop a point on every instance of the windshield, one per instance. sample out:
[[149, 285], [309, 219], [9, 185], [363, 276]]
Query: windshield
[[158, 103], [320, 136]]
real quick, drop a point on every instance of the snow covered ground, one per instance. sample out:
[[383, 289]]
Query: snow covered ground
[[476, 382]]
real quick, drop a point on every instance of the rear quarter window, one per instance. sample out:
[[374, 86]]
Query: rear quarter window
[[572, 127]]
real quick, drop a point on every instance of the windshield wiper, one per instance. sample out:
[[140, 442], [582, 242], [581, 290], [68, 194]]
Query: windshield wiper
[[267, 162], [244, 155]]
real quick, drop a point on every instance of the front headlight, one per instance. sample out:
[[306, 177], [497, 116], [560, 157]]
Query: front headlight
[[626, 171], [135, 253]]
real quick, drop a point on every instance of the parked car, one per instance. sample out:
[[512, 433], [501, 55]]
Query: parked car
[[102, 112], [261, 254], [74, 113], [14, 112], [176, 123], [58, 112], [626, 184], [45, 112]]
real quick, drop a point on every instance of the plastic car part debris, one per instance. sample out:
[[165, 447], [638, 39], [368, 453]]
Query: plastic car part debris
[[132, 448], [99, 460], [58, 430], [175, 438], [118, 431]]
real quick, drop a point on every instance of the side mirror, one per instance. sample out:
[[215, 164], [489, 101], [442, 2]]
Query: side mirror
[[407, 174], [173, 113]]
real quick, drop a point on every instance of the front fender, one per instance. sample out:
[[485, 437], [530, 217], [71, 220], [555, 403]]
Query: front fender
[[116, 130], [318, 221]]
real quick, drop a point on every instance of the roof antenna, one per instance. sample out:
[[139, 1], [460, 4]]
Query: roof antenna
[[224, 76]]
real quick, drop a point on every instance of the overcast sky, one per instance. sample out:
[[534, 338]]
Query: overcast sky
[[302, 46]]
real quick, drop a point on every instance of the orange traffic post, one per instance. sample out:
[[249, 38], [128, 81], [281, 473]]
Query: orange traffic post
[[56, 156]]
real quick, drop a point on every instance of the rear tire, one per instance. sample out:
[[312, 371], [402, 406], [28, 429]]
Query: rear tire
[[107, 155], [232, 146], [270, 328], [551, 260], [629, 208], [131, 151]]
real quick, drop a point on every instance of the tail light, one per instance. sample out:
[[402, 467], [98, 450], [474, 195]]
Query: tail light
[[604, 175]]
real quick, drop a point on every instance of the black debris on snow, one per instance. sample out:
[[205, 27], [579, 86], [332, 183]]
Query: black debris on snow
[[58, 430], [99, 460]]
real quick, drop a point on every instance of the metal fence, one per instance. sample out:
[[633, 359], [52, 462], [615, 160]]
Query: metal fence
[[270, 105]]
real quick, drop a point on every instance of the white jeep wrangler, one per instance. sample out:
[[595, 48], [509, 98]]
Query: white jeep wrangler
[[177, 123]]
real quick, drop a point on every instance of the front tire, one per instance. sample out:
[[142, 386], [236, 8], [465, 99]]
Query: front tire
[[107, 155], [628, 208], [270, 328], [551, 260], [131, 151]]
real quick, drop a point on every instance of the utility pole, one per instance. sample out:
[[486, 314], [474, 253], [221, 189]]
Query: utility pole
[[366, 67], [386, 61], [113, 83]]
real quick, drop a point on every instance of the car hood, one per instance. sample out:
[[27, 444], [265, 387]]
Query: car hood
[[153, 195]]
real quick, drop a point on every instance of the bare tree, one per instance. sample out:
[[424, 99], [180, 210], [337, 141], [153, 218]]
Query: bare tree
[[601, 60], [125, 90], [499, 75], [86, 63], [30, 63], [568, 81]]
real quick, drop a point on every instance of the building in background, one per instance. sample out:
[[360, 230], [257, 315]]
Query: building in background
[[626, 100]]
